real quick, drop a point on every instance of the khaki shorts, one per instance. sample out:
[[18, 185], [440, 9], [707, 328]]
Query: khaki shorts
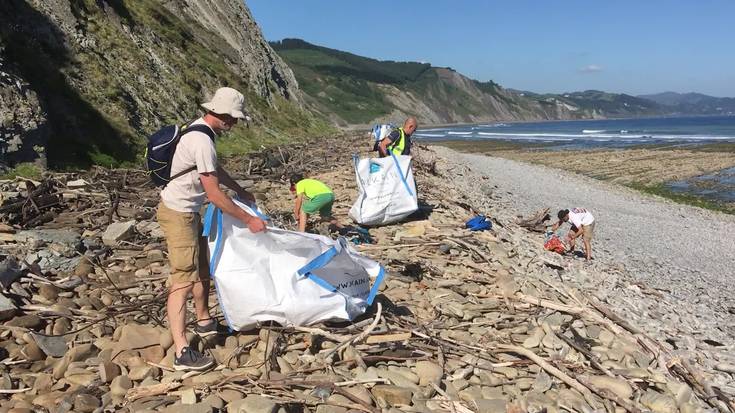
[[187, 249], [589, 231]]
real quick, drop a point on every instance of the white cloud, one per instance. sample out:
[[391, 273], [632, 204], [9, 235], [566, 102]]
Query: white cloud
[[591, 69]]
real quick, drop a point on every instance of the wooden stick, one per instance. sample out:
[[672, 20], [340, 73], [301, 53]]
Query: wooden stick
[[160, 366], [571, 382], [473, 266], [591, 357], [398, 246], [359, 337], [154, 390], [581, 383], [470, 247], [704, 386], [14, 391], [320, 332], [354, 382], [607, 312]]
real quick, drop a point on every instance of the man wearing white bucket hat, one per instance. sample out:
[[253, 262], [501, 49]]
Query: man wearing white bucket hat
[[178, 215]]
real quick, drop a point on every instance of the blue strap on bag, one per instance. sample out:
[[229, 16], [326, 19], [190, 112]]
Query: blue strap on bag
[[316, 263], [376, 286], [400, 173], [213, 213], [322, 260]]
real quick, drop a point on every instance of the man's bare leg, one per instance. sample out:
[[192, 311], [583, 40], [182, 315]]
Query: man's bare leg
[[587, 248], [176, 307], [201, 302]]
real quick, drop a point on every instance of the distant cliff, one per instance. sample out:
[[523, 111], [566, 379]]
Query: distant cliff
[[694, 103], [84, 81], [355, 90]]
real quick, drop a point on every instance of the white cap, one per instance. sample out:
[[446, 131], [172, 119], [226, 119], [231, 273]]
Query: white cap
[[226, 101]]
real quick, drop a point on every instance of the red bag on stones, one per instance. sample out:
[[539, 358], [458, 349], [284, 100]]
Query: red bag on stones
[[554, 244]]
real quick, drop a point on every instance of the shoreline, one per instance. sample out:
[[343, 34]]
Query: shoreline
[[366, 127], [648, 169]]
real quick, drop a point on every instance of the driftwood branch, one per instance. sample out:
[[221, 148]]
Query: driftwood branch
[[157, 389]]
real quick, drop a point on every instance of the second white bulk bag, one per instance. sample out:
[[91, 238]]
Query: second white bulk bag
[[289, 277], [387, 191]]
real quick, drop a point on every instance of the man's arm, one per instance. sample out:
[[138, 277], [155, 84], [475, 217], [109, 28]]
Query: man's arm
[[226, 180], [385, 142], [578, 232], [556, 226], [383, 147], [210, 182], [297, 206]]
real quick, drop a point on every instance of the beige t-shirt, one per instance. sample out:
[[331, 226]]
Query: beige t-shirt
[[186, 193]]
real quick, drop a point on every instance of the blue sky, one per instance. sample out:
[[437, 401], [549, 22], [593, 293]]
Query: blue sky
[[635, 47]]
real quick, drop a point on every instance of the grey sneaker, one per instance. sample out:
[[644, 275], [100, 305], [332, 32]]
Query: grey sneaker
[[191, 359], [210, 329]]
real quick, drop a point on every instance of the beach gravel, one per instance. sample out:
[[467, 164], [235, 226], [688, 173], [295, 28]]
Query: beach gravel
[[683, 253]]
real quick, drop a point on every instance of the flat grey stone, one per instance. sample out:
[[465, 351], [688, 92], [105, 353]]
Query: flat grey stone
[[118, 231], [52, 346], [7, 308], [9, 271]]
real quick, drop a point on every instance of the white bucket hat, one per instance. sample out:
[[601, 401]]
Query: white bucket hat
[[226, 101]]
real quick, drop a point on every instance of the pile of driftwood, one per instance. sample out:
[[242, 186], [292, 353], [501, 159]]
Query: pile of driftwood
[[537, 222], [466, 321]]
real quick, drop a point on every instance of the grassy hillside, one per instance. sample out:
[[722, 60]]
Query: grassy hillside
[[344, 83], [605, 104], [694, 103], [358, 90]]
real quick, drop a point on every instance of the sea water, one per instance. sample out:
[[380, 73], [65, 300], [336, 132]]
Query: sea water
[[587, 134], [612, 133]]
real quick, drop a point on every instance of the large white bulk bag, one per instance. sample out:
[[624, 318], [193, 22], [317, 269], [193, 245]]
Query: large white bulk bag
[[288, 277], [387, 190]]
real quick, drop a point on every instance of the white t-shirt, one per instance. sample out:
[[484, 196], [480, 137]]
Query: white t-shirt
[[186, 193], [580, 216]]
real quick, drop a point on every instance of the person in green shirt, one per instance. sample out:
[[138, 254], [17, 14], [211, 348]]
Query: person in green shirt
[[312, 196]]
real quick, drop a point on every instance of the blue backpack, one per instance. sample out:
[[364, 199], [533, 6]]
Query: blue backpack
[[479, 223], [159, 153], [381, 131]]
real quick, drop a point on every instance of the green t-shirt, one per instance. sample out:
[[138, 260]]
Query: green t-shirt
[[311, 188]]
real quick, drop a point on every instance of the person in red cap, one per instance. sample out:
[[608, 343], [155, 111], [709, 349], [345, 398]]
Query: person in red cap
[[197, 178]]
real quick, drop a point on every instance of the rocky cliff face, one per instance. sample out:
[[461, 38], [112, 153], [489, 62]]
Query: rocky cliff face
[[108, 72], [232, 22], [446, 96], [23, 134], [352, 89]]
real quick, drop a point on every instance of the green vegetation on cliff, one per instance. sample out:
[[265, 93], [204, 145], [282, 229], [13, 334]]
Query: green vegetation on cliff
[[346, 84], [604, 104], [358, 90], [129, 67]]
